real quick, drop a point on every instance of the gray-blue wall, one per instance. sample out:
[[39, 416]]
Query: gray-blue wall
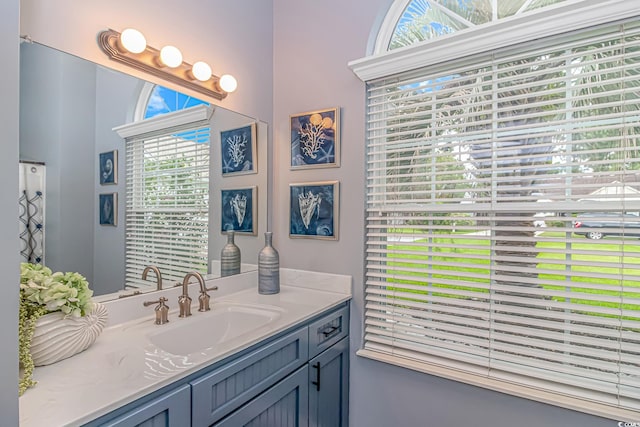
[[312, 45], [9, 110]]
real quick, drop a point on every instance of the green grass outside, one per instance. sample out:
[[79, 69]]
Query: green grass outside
[[480, 267]]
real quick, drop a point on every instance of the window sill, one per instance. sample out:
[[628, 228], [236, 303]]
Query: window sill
[[550, 398]]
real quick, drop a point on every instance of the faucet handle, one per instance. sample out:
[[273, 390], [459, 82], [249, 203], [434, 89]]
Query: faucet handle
[[204, 298], [184, 303], [160, 302], [162, 310]]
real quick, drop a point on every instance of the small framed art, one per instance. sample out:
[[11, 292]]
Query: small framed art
[[315, 139], [108, 205], [108, 167], [239, 150], [238, 210], [313, 210]]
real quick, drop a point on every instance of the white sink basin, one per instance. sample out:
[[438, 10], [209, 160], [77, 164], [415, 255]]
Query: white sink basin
[[203, 330]]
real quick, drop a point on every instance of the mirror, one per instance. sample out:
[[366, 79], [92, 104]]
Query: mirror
[[68, 110]]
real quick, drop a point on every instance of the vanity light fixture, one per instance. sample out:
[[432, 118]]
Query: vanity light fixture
[[201, 71], [171, 56], [131, 48], [228, 83], [133, 41]]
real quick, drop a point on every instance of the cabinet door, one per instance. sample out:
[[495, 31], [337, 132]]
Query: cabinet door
[[284, 405], [329, 387], [224, 390], [169, 410]]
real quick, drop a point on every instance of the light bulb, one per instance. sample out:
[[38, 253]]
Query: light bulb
[[133, 40], [228, 83], [201, 71], [171, 56]]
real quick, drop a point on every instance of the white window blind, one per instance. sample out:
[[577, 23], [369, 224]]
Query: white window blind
[[167, 202], [484, 179]]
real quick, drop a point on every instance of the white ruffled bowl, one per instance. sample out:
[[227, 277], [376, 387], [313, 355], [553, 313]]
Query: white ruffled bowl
[[57, 337]]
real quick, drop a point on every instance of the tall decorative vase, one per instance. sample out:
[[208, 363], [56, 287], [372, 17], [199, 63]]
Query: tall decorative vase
[[268, 268], [230, 257]]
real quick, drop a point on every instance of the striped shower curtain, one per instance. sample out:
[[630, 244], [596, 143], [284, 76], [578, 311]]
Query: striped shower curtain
[[31, 212]]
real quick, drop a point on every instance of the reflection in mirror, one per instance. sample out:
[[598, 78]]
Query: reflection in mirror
[[69, 108]]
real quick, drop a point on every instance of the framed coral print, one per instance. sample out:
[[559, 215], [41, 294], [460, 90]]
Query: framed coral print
[[108, 205], [315, 139], [239, 150], [108, 167], [313, 210], [238, 210]]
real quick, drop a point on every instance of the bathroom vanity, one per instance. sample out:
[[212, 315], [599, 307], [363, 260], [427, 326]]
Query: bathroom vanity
[[252, 360]]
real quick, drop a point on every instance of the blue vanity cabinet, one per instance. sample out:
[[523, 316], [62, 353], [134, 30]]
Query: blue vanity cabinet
[[296, 379], [172, 409]]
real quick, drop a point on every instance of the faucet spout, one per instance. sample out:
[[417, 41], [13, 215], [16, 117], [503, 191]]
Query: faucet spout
[[204, 298], [156, 270], [184, 301]]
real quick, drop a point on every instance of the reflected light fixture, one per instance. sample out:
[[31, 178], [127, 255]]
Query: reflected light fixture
[[131, 48]]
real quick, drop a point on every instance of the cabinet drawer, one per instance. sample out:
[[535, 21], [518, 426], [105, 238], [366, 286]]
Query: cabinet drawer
[[217, 394], [328, 330]]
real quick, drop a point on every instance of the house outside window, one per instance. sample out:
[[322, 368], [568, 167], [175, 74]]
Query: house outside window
[[503, 199]]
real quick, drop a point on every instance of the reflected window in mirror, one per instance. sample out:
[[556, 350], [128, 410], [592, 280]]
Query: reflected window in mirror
[[167, 190], [156, 99]]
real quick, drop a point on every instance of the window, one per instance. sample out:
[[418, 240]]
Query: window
[[486, 178], [428, 19], [167, 194]]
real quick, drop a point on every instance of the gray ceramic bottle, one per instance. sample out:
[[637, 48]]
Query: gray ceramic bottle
[[230, 257], [268, 268]]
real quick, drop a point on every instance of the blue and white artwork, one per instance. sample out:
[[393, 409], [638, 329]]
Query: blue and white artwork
[[314, 210], [239, 210], [315, 139], [108, 206], [108, 167], [239, 150]]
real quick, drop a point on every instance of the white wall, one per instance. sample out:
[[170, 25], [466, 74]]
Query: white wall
[[312, 45], [9, 259]]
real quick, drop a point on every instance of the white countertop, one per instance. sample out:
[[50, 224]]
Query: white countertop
[[123, 365]]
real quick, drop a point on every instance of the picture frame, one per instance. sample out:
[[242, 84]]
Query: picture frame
[[108, 208], [314, 210], [108, 170], [315, 139], [238, 210], [238, 149]]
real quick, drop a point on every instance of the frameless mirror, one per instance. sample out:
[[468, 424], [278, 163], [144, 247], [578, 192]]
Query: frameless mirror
[[68, 110]]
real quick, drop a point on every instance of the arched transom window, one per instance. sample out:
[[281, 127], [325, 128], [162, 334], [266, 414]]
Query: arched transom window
[[428, 19]]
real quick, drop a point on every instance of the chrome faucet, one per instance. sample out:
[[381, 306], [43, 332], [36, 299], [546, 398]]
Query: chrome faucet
[[158, 275], [203, 300]]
